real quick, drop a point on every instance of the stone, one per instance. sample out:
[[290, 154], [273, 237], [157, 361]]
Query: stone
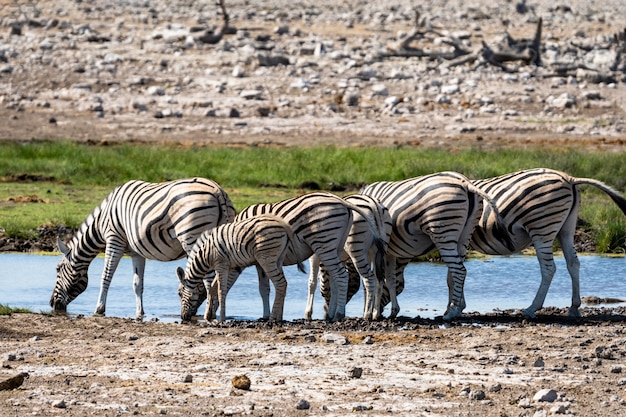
[[335, 338], [241, 382], [380, 90], [303, 405], [545, 395], [355, 372], [155, 90], [59, 404], [477, 395]]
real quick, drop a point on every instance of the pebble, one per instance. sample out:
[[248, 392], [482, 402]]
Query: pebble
[[545, 395], [335, 338], [59, 404], [477, 395], [303, 405]]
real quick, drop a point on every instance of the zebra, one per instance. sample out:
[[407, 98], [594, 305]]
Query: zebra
[[437, 211], [260, 240], [538, 205], [363, 249], [159, 221], [321, 223]]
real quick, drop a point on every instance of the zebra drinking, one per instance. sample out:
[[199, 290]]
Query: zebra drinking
[[159, 221], [259, 240], [364, 249], [538, 206], [321, 223], [437, 211]]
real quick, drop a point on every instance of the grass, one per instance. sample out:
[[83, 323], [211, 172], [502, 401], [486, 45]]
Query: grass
[[61, 182], [5, 310]]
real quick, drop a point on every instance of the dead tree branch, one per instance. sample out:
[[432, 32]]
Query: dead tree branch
[[212, 37]]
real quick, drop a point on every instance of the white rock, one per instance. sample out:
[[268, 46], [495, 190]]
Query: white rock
[[391, 101], [380, 90], [545, 395], [250, 94], [450, 89], [443, 99], [300, 83], [155, 90]]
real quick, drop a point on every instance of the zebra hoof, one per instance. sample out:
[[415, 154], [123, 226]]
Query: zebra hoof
[[574, 313], [451, 315], [529, 314]]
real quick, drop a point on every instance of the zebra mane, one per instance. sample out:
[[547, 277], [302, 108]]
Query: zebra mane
[[89, 221]]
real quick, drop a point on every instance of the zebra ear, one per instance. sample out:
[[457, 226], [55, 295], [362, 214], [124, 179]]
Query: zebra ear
[[181, 274], [62, 247]]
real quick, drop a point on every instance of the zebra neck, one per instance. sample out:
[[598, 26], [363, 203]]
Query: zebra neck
[[88, 242]]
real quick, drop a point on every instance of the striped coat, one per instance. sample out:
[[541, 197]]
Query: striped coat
[[538, 206], [260, 240], [437, 211], [145, 220], [321, 223], [363, 255]]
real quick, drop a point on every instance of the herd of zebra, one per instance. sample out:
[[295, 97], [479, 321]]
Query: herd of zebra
[[370, 236]]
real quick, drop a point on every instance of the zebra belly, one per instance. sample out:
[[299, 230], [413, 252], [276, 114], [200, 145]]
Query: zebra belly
[[167, 252]]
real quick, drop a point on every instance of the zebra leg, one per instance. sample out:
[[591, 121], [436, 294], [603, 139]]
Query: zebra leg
[[338, 288], [456, 281], [212, 300], [369, 283], [314, 267], [111, 260], [264, 291], [566, 238], [139, 266], [275, 273], [548, 268], [390, 281], [222, 289]]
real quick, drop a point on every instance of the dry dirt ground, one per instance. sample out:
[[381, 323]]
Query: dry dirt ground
[[492, 365]]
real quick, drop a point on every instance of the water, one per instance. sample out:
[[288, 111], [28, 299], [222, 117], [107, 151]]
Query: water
[[495, 283]]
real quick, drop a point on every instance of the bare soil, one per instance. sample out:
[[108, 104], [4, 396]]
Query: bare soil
[[490, 365]]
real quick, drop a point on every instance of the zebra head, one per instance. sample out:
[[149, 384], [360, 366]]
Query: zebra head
[[190, 295], [71, 280]]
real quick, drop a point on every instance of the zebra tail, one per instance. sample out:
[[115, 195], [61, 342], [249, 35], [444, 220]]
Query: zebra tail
[[292, 240], [379, 260], [500, 230], [615, 196]]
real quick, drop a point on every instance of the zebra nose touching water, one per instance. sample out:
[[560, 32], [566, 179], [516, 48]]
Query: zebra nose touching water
[[260, 240], [159, 221], [321, 223]]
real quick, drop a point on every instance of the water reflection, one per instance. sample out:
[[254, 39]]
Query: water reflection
[[492, 284]]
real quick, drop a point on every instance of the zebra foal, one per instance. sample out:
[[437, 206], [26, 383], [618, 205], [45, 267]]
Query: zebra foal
[[538, 205], [366, 251], [260, 240], [437, 211], [321, 223], [158, 221]]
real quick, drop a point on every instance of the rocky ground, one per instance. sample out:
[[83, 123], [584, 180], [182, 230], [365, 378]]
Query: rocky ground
[[305, 72], [493, 365], [296, 73]]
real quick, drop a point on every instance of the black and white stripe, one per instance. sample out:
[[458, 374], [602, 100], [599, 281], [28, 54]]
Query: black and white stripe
[[260, 240], [159, 221], [321, 223], [538, 206], [437, 211], [364, 248]]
